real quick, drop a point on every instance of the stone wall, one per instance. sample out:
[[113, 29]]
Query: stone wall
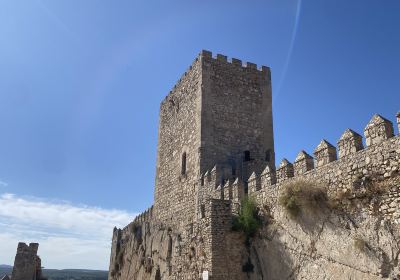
[[356, 164], [178, 134], [286, 248], [147, 249], [27, 264], [358, 240], [380, 159], [236, 113]]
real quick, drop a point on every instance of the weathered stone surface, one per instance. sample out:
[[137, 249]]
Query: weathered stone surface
[[284, 171], [147, 249], [349, 143], [303, 163], [324, 153], [208, 119], [378, 130], [27, 264]]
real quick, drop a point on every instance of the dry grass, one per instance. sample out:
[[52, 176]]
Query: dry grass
[[303, 196], [360, 244]]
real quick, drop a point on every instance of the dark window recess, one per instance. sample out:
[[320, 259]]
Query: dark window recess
[[202, 181], [202, 211], [222, 182], [268, 155], [246, 155], [233, 171], [183, 168]]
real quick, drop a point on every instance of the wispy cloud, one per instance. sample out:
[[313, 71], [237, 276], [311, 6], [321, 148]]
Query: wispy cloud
[[70, 236], [3, 184]]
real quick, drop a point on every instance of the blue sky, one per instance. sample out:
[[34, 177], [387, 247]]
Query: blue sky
[[81, 83]]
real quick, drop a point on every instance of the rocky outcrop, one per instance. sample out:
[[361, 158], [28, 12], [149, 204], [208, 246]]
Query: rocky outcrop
[[149, 250], [331, 244]]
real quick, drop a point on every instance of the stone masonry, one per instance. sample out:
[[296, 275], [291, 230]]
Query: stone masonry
[[219, 112], [216, 147], [27, 264]]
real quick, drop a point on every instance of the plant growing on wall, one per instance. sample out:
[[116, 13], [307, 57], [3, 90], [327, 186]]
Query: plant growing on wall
[[301, 195], [248, 220]]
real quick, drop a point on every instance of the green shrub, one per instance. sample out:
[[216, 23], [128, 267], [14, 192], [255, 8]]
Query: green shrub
[[248, 220], [301, 195]]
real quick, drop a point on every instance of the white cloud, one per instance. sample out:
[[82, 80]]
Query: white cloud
[[70, 236], [3, 184]]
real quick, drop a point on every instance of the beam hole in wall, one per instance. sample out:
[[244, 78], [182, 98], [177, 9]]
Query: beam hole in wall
[[202, 211], [183, 166], [268, 155], [246, 156]]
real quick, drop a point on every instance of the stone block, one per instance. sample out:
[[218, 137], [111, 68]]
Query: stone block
[[349, 143], [268, 177], [324, 153], [378, 130], [206, 54], [222, 58], [251, 65], [237, 190], [236, 62], [303, 163], [284, 171], [253, 183]]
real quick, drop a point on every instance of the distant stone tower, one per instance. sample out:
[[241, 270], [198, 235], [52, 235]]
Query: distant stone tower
[[27, 264], [219, 113]]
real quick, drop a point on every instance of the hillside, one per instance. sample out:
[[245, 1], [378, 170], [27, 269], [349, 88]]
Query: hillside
[[64, 274]]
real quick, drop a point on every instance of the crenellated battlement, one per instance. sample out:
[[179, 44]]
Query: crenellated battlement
[[205, 55], [234, 61], [178, 84], [144, 217], [351, 158]]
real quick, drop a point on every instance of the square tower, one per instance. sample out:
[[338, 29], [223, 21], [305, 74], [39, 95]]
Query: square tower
[[219, 112]]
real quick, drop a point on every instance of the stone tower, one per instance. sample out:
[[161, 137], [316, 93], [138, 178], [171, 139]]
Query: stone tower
[[218, 115], [27, 264]]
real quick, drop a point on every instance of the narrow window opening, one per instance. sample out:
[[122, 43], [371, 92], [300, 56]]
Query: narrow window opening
[[183, 168], [246, 155], [202, 181], [268, 155], [202, 211]]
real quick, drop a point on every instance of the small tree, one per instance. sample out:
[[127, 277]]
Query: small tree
[[248, 220]]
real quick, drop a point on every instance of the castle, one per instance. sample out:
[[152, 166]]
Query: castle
[[215, 147]]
